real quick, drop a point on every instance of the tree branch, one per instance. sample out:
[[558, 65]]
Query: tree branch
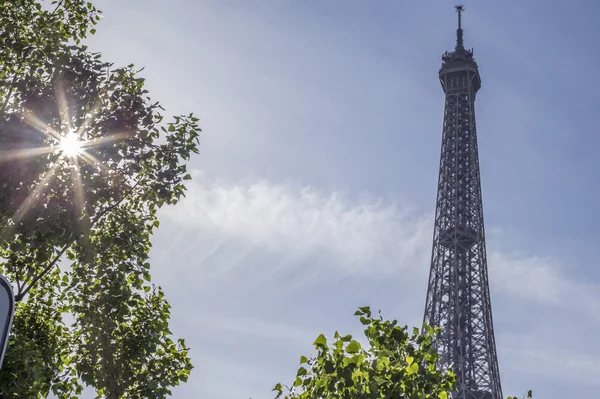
[[19, 297]]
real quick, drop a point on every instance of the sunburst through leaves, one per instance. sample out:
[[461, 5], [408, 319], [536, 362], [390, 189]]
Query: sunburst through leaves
[[70, 145], [68, 148]]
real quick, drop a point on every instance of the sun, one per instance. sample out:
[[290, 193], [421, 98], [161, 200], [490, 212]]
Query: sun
[[70, 145]]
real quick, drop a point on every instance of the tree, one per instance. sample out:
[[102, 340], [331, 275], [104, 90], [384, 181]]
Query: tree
[[394, 364], [86, 161]]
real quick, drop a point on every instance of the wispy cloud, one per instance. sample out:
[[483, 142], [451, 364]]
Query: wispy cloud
[[543, 280], [359, 236]]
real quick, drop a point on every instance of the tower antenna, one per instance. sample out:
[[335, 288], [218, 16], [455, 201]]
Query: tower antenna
[[459, 9], [459, 32]]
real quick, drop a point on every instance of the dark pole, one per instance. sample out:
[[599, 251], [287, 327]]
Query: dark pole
[[459, 31]]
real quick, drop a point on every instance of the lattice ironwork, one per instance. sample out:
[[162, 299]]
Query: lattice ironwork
[[458, 297]]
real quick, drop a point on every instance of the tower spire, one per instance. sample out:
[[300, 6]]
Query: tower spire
[[459, 32]]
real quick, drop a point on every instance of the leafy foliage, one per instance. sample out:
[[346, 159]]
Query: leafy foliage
[[75, 231], [392, 363]]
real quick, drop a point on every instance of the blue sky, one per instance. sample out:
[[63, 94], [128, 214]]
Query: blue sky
[[315, 188]]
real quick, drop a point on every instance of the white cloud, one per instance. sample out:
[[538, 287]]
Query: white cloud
[[532, 277], [543, 280], [364, 236], [358, 236]]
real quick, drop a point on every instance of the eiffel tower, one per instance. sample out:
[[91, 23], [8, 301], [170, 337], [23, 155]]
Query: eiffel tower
[[458, 296]]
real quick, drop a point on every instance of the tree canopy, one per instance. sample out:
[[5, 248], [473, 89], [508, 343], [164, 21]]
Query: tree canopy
[[87, 159], [391, 362]]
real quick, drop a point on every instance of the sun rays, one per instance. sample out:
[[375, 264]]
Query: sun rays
[[67, 147]]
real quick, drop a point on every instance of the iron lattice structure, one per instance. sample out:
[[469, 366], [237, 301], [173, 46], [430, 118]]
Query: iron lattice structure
[[458, 297]]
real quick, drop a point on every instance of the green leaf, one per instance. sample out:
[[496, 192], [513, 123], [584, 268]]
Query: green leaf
[[321, 341], [443, 395], [412, 369], [278, 387], [353, 347], [303, 359]]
